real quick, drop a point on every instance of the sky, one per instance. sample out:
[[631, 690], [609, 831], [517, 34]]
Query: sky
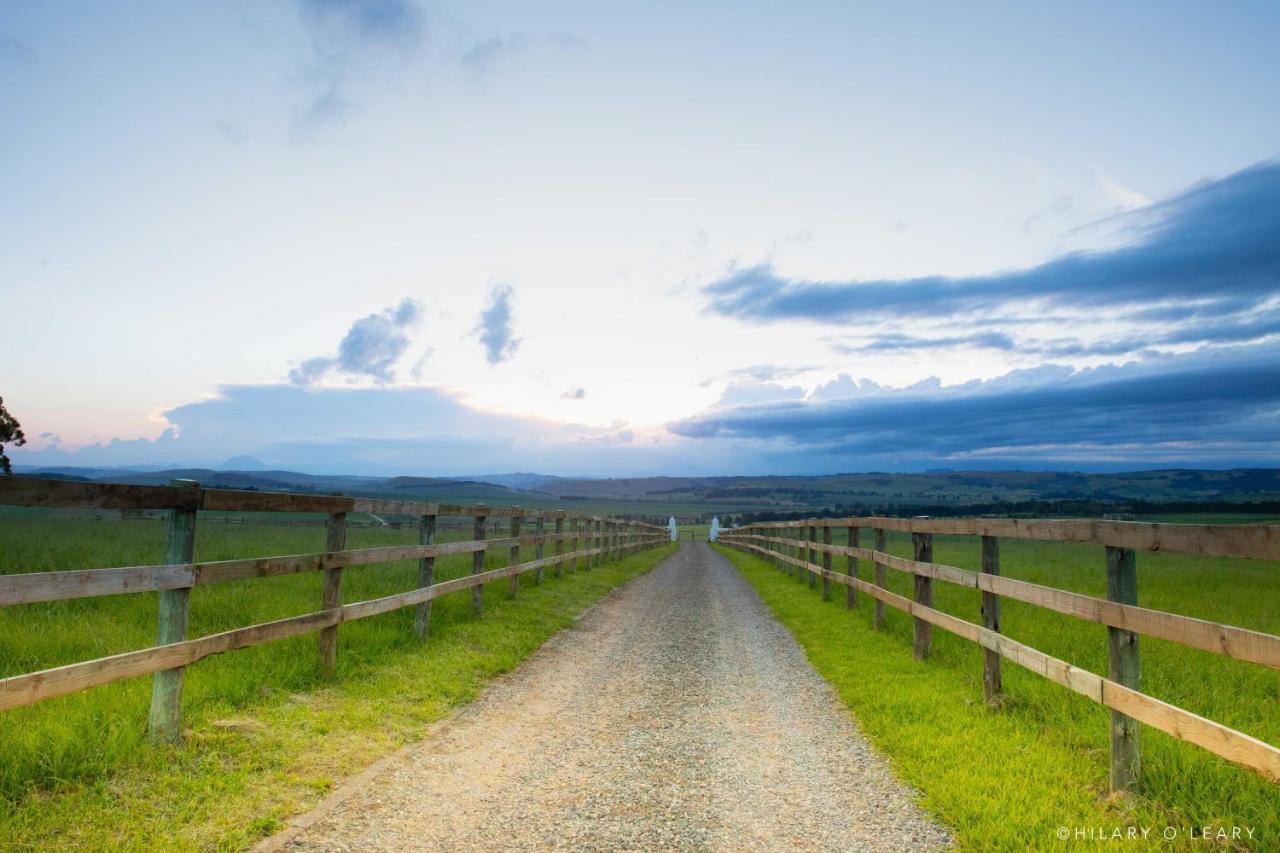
[[391, 236]]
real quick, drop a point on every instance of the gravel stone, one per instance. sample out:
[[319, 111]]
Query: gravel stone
[[677, 714]]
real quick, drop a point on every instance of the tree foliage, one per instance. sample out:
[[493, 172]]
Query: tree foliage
[[10, 433]]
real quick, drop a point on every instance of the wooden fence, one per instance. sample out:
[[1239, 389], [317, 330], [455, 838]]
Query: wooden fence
[[1125, 620], [592, 539]]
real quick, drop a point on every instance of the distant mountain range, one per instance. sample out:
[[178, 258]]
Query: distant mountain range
[[883, 490]]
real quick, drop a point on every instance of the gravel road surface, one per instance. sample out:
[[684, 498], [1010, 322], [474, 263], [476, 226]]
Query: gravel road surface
[[676, 714]]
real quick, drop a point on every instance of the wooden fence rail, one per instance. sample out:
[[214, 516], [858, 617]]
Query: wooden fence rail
[[180, 574], [1119, 612]]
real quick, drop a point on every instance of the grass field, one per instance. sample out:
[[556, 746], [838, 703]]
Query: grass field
[[266, 737], [1008, 778]]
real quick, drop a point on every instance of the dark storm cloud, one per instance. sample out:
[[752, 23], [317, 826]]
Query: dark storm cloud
[[1206, 398], [1217, 246]]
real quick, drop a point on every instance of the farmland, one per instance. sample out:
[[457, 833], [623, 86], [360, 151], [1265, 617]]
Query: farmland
[[943, 492], [266, 736], [1008, 777]]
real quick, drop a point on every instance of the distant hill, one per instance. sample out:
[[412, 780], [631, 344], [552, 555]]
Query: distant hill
[[956, 488], [521, 481], [243, 463], [876, 490]]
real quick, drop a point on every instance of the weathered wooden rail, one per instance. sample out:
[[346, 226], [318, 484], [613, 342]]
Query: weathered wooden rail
[[1125, 620], [592, 539]]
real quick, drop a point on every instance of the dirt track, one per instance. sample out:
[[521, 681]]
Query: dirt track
[[677, 714]]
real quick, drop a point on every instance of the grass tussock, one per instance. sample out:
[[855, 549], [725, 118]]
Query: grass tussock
[[265, 737], [1007, 778]]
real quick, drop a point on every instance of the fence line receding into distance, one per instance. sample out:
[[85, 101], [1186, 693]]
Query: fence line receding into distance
[[593, 539], [1124, 619]]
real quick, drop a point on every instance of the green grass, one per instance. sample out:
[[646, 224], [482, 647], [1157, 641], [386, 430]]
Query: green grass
[[1210, 518], [77, 770], [1006, 778]]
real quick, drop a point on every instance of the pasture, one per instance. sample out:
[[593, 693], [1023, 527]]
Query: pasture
[[1007, 777], [266, 735]]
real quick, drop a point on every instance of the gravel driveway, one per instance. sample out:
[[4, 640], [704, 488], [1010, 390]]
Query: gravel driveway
[[676, 714]]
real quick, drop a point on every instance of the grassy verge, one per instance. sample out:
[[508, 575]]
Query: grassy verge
[[265, 737], [1009, 778]]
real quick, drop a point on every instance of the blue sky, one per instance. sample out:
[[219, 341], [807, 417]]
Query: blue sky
[[601, 239]]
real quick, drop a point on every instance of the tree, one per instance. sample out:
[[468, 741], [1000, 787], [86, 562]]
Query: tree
[[10, 433]]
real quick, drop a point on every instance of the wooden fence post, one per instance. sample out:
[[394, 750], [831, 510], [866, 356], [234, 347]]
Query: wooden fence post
[[796, 551], [559, 545], [1125, 668], [879, 544], [477, 566], [540, 529], [516, 524], [577, 543], [826, 563], [426, 576], [923, 543], [331, 592], [851, 569], [991, 679], [165, 720], [813, 557]]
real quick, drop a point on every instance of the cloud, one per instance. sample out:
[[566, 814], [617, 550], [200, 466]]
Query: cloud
[[1205, 405], [746, 393], [380, 430], [1215, 246], [350, 39], [892, 342], [769, 372], [494, 328], [374, 20], [843, 387], [1217, 408], [1260, 325], [370, 349], [575, 394], [496, 55], [1118, 194]]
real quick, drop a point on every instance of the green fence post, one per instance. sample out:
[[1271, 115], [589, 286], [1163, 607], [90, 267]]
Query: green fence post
[[426, 576], [165, 719]]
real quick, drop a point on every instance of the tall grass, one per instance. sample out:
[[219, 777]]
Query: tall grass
[[1008, 777], [70, 747]]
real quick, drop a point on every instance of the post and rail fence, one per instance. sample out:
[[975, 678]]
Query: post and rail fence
[[593, 539], [1125, 621]]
